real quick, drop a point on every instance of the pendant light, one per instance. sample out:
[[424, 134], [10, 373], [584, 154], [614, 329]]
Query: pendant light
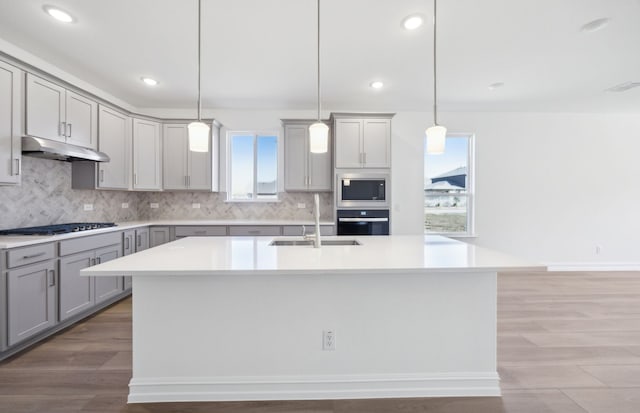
[[318, 131], [436, 134], [199, 131]]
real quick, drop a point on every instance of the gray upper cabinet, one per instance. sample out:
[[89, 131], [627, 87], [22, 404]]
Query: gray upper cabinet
[[10, 124], [147, 155], [56, 113], [304, 171], [362, 141], [182, 168], [114, 133]]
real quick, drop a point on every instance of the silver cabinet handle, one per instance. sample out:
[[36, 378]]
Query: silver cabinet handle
[[135, 179], [127, 243], [101, 175], [363, 219], [255, 231], [26, 257], [99, 260], [62, 130], [18, 166], [52, 281], [69, 133], [200, 232], [93, 261], [139, 240]]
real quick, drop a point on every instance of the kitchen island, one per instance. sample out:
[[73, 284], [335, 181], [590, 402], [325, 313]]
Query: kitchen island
[[231, 318]]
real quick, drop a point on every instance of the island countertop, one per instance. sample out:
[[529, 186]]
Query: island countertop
[[243, 255]]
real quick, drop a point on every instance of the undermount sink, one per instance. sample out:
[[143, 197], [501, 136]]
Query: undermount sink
[[328, 242]]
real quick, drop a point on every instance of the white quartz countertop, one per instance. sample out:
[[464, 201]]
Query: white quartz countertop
[[251, 255], [14, 241]]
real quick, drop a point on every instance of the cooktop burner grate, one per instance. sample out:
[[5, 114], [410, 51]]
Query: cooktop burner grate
[[57, 229]]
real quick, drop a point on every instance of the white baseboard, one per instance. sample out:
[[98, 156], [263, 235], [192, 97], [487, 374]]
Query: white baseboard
[[593, 266], [182, 389]]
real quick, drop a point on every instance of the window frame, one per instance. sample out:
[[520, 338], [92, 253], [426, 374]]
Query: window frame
[[255, 134], [470, 194]]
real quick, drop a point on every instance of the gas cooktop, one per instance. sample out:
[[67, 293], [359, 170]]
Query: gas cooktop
[[57, 229]]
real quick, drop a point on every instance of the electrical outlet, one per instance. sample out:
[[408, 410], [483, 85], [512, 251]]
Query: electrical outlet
[[88, 207], [154, 205], [328, 340], [302, 205], [125, 205], [195, 205]]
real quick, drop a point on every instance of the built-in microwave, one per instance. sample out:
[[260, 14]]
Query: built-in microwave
[[362, 190]]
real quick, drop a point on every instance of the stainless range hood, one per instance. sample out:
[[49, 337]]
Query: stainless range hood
[[48, 149]]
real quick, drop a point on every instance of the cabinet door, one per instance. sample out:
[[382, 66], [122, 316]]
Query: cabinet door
[[31, 294], [114, 139], [320, 170], [82, 121], [142, 239], [128, 242], [348, 141], [10, 147], [45, 109], [174, 165], [147, 155], [76, 292], [199, 170], [107, 287], [295, 157], [377, 143], [158, 236]]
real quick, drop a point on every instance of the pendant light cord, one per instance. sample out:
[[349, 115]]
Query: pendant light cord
[[318, 56], [435, 85], [199, 42]]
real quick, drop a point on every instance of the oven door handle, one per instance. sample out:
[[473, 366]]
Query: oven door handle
[[363, 219]]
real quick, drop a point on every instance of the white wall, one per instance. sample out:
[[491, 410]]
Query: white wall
[[550, 187]]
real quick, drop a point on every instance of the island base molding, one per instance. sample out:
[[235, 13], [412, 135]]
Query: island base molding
[[157, 390]]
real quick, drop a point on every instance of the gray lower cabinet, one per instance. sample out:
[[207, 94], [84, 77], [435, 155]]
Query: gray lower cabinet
[[142, 239], [76, 292], [159, 236], [204, 231], [107, 287], [255, 231], [31, 300]]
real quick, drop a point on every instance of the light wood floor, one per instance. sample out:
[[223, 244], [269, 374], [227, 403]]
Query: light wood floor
[[567, 342]]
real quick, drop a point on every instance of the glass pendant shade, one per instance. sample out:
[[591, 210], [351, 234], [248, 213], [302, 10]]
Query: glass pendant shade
[[318, 138], [436, 136], [198, 137]]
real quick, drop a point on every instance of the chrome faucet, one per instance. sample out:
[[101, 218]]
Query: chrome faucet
[[316, 210]]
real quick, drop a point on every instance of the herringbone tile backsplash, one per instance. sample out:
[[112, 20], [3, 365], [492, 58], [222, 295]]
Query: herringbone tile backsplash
[[45, 197]]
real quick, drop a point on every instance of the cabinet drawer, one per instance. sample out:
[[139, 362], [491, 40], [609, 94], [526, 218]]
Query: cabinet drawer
[[28, 255], [75, 245], [214, 231], [255, 231]]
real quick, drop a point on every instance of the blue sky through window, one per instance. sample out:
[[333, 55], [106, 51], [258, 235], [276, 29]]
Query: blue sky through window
[[242, 164], [456, 154]]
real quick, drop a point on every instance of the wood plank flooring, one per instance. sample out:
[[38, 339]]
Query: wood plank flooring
[[567, 342]]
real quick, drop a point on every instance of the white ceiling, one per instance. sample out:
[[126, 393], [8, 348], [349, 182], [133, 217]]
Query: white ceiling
[[260, 54]]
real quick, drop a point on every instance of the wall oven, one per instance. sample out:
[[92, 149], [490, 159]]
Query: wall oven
[[360, 190], [363, 222]]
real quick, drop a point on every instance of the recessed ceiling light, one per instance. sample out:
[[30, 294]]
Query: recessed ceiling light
[[496, 85], [594, 25], [376, 85], [149, 81], [58, 14], [412, 22]]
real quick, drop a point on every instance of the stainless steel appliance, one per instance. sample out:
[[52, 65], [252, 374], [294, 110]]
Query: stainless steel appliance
[[60, 151], [362, 190], [57, 229], [363, 222]]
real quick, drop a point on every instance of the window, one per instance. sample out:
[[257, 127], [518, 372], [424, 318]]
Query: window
[[448, 188], [253, 166]]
